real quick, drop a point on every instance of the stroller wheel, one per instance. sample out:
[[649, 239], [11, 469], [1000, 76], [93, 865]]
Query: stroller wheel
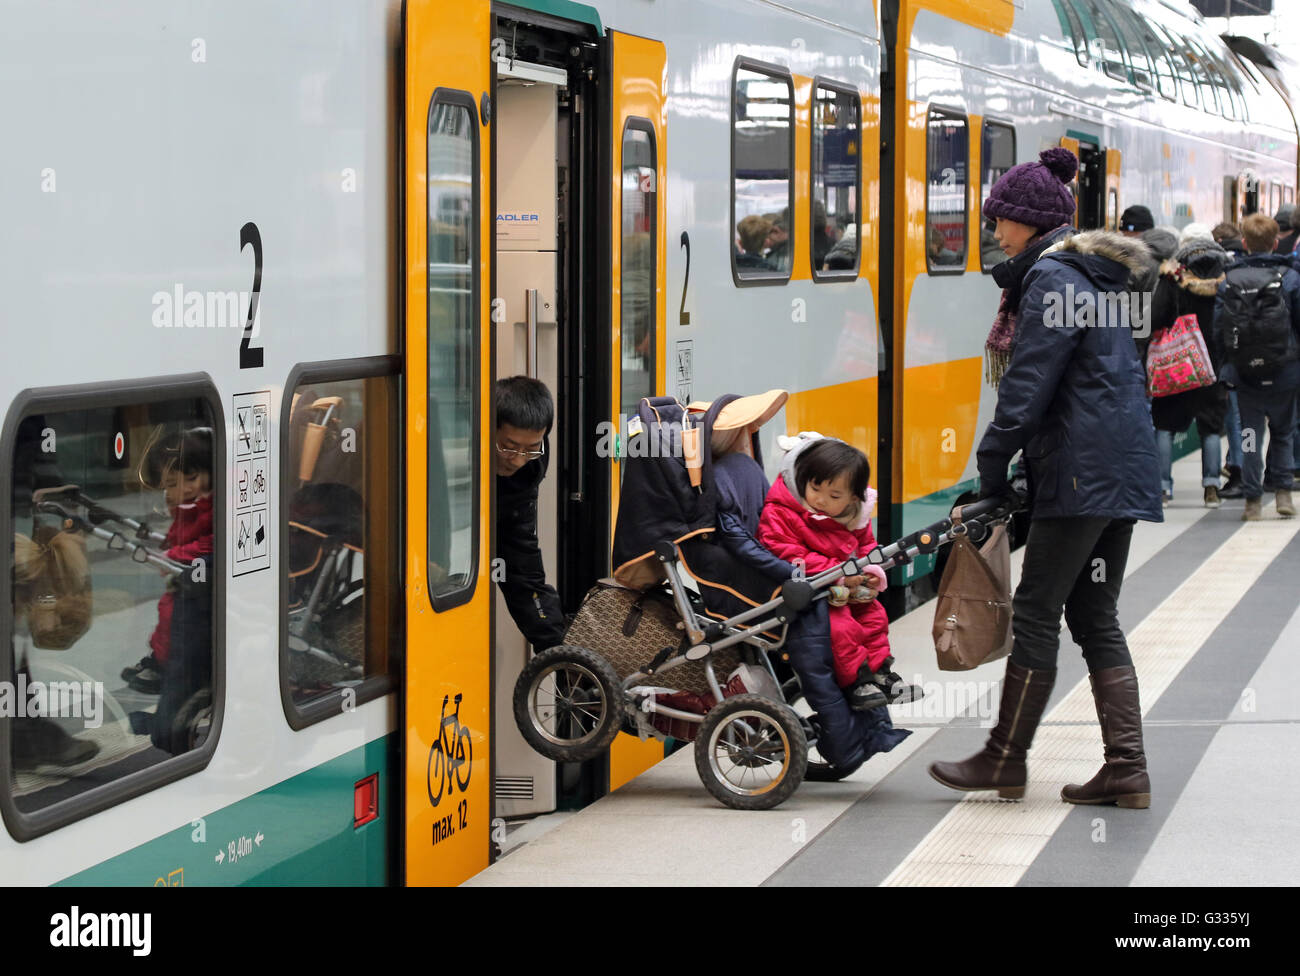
[[193, 721], [568, 704], [751, 752]]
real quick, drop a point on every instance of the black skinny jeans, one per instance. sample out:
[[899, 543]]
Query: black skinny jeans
[[1075, 564]]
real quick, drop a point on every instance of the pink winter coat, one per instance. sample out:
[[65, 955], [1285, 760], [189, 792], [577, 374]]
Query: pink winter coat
[[859, 631]]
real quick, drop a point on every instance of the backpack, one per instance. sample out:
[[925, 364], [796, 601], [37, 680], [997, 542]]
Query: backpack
[[1256, 322]]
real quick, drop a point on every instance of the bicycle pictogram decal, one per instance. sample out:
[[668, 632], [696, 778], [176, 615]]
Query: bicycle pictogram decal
[[452, 751]]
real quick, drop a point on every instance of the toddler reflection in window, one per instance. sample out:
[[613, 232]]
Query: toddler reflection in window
[[187, 489]]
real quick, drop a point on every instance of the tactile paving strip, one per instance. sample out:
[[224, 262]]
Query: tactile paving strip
[[985, 841]]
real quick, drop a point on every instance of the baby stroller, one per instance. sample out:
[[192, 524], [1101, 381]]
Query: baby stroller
[[652, 656], [325, 551]]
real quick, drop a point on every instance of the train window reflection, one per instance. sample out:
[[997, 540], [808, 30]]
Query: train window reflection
[[1112, 51], [1071, 27], [947, 162], [453, 459], [1166, 77], [1204, 75], [836, 175], [637, 319], [1186, 78], [762, 151], [997, 155], [1142, 54], [113, 572], [340, 566]]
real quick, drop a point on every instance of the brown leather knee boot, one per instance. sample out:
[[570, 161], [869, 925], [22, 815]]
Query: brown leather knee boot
[[1001, 764], [1123, 779]]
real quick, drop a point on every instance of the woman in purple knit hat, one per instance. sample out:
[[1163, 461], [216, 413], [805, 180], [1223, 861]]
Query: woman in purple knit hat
[[1071, 396]]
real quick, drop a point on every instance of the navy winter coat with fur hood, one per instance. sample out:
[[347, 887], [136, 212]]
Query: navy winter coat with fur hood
[[1073, 397]]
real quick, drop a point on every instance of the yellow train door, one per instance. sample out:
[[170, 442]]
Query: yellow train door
[[637, 280], [446, 693]]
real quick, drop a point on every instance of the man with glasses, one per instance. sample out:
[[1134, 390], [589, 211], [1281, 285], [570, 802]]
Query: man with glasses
[[524, 416]]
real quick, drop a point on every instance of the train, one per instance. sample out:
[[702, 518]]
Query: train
[[264, 265]]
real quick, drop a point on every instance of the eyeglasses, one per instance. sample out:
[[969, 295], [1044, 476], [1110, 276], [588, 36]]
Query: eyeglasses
[[526, 455]]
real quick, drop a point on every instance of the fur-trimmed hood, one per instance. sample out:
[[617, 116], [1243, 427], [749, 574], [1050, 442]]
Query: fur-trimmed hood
[[1128, 251], [1186, 280], [1095, 253]]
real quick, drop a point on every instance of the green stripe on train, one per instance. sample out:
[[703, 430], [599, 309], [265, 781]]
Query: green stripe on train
[[565, 9], [305, 825]]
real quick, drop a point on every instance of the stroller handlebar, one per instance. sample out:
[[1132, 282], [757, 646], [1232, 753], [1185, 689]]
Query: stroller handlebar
[[992, 508], [975, 521]]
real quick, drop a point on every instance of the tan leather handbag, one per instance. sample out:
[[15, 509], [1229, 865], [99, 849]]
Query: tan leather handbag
[[52, 586], [972, 614]]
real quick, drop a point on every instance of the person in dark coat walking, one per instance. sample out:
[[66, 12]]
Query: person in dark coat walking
[[1188, 284], [1268, 396], [1285, 219], [1073, 398], [524, 417]]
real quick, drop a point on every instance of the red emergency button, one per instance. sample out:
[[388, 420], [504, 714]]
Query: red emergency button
[[365, 801]]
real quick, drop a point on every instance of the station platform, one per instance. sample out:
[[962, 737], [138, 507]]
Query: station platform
[[1211, 607]]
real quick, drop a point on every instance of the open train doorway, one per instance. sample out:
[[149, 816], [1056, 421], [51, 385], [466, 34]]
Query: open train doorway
[[550, 324], [1092, 187]]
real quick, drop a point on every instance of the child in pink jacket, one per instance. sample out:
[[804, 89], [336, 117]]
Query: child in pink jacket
[[818, 514]]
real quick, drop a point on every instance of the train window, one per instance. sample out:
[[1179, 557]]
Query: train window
[[340, 569], [1072, 29], [1112, 51], [1166, 74], [1092, 43], [947, 153], [1186, 79], [762, 187], [637, 319], [453, 456], [1214, 78], [1204, 81], [1142, 59], [115, 512], [1232, 71], [997, 155], [1275, 196], [1230, 84], [836, 176]]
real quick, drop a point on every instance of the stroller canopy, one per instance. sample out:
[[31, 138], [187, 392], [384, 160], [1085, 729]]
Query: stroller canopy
[[668, 493]]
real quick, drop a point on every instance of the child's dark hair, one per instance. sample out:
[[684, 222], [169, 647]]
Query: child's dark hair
[[196, 451], [524, 402], [827, 459]]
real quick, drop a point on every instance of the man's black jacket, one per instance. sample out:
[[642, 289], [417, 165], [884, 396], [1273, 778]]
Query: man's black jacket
[[533, 604]]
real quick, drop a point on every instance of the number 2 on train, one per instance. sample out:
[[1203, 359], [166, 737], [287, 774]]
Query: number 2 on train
[[250, 357]]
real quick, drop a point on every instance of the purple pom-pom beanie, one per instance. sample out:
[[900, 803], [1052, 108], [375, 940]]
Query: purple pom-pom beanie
[[1037, 194]]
